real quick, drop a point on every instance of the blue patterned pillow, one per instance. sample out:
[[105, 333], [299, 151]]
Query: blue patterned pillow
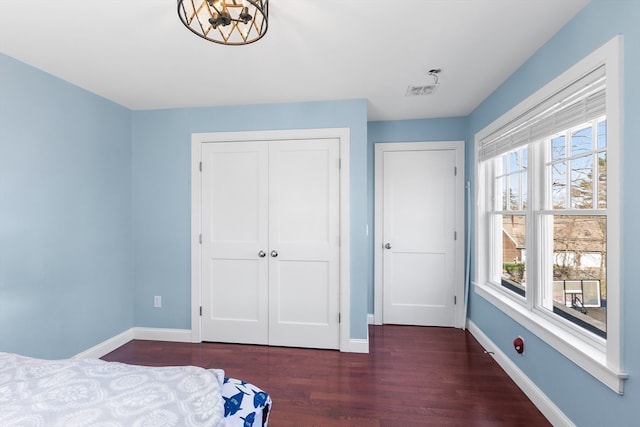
[[245, 405]]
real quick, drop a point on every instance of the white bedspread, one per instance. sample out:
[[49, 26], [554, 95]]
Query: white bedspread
[[96, 393]]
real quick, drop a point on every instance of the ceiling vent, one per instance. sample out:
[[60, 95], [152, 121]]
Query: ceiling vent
[[419, 90]]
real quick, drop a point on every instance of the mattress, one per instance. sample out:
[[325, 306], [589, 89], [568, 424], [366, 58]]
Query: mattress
[[93, 392]]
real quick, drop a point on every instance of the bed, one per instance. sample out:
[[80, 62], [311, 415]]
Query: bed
[[93, 392]]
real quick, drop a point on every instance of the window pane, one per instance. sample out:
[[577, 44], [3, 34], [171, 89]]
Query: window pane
[[501, 187], [514, 253], [579, 271], [524, 190], [558, 148], [509, 180], [514, 164], [582, 183], [581, 141], [559, 185], [514, 192], [602, 134], [513, 182], [602, 180]]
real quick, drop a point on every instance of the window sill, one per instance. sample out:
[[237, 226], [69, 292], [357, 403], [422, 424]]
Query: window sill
[[588, 355]]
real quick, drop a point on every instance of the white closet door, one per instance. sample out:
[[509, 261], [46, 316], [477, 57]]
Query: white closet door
[[278, 199], [304, 243], [234, 232]]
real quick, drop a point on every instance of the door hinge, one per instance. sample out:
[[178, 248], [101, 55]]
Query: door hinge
[[200, 166], [200, 238], [455, 235], [200, 310], [455, 171], [339, 318], [455, 300], [339, 163]]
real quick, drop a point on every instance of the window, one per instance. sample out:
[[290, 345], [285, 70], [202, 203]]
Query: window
[[574, 225], [510, 220], [547, 226]]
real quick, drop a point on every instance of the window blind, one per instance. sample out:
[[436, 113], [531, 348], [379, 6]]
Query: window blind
[[579, 102]]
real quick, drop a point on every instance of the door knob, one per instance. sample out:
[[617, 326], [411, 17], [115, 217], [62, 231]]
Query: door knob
[[262, 254], [388, 246], [274, 253]]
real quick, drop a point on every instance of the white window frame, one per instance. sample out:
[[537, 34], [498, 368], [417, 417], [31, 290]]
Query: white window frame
[[601, 358]]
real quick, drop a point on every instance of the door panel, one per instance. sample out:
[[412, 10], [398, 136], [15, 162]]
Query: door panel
[[408, 277], [418, 225], [304, 229], [240, 301], [303, 293], [234, 231]]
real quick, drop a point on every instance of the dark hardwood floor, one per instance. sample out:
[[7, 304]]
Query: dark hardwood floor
[[413, 376]]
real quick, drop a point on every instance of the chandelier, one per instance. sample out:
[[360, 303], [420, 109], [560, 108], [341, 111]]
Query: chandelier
[[230, 22]]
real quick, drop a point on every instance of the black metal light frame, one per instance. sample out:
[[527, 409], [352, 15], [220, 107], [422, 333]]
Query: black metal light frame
[[227, 22]]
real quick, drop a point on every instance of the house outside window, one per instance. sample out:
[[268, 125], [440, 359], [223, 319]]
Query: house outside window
[[548, 235]]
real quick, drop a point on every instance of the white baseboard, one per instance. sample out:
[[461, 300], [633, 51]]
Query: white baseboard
[[357, 346], [161, 334], [177, 335], [539, 399], [107, 346], [151, 334]]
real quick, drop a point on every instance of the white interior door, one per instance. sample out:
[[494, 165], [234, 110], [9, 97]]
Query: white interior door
[[418, 236], [234, 236], [304, 238], [270, 242]]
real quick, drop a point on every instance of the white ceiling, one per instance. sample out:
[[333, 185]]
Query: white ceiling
[[138, 54]]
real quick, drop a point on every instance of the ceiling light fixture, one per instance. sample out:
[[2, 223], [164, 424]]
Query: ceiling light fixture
[[417, 90], [229, 22]]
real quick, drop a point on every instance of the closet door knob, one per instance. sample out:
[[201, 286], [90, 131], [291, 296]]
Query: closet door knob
[[262, 254], [274, 253], [388, 246]]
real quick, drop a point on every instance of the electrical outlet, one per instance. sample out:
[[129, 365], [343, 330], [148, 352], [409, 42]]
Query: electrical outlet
[[157, 301]]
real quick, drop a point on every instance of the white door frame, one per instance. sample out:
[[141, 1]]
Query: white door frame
[[343, 134], [458, 146]]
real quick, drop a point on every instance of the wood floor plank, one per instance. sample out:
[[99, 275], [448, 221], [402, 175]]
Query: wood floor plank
[[412, 376]]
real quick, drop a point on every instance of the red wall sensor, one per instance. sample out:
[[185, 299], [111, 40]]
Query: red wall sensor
[[518, 344]]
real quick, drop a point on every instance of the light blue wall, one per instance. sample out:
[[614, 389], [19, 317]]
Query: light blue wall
[[79, 173], [66, 280], [162, 197], [420, 130], [581, 397]]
